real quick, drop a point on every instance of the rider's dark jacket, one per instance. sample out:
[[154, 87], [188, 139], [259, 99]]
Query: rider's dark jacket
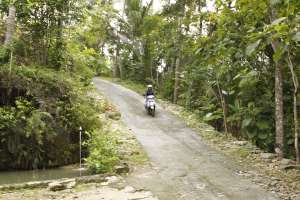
[[149, 92]]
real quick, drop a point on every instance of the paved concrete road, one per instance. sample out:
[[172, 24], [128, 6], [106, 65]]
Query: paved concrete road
[[182, 165]]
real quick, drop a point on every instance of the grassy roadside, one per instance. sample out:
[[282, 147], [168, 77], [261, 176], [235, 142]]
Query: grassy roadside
[[267, 173], [128, 149]]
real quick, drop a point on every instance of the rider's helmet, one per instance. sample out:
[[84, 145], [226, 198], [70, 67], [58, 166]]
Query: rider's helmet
[[149, 86]]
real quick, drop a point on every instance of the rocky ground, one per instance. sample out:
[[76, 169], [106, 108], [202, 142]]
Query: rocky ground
[[113, 188]]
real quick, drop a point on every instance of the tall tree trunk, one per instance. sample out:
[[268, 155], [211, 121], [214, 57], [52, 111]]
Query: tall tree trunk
[[116, 69], [59, 43], [172, 66], [10, 25], [201, 4], [279, 110], [224, 107], [157, 78], [189, 95], [176, 82], [9, 34], [178, 58], [279, 146], [118, 62], [120, 68], [296, 124], [147, 60]]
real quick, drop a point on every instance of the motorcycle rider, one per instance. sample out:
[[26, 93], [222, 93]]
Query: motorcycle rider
[[148, 93], [149, 90]]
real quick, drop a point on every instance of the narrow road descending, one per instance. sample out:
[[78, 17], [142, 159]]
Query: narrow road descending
[[182, 165]]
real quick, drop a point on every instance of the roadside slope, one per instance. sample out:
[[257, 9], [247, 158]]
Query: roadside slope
[[183, 167]]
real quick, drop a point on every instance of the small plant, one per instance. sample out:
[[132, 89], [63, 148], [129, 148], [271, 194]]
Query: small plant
[[103, 153]]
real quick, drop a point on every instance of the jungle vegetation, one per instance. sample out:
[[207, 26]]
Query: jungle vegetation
[[45, 75], [234, 62]]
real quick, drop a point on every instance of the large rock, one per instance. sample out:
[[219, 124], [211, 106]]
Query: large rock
[[61, 185], [112, 179], [56, 186], [240, 143], [71, 185], [28, 185], [285, 161], [113, 115], [289, 167], [122, 168], [91, 179], [267, 156], [36, 184], [129, 189]]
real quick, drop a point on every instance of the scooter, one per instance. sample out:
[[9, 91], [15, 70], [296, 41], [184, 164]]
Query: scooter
[[150, 105]]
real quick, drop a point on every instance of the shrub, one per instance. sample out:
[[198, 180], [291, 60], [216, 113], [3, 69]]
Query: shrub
[[103, 154]]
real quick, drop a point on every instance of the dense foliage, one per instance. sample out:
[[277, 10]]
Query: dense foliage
[[235, 63], [45, 73], [40, 115]]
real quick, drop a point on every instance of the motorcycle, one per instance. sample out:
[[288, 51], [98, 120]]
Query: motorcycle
[[150, 105]]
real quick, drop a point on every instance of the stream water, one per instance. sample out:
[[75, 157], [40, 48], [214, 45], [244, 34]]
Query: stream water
[[12, 177]]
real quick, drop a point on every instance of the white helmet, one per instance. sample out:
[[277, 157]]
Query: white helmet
[[149, 86]]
